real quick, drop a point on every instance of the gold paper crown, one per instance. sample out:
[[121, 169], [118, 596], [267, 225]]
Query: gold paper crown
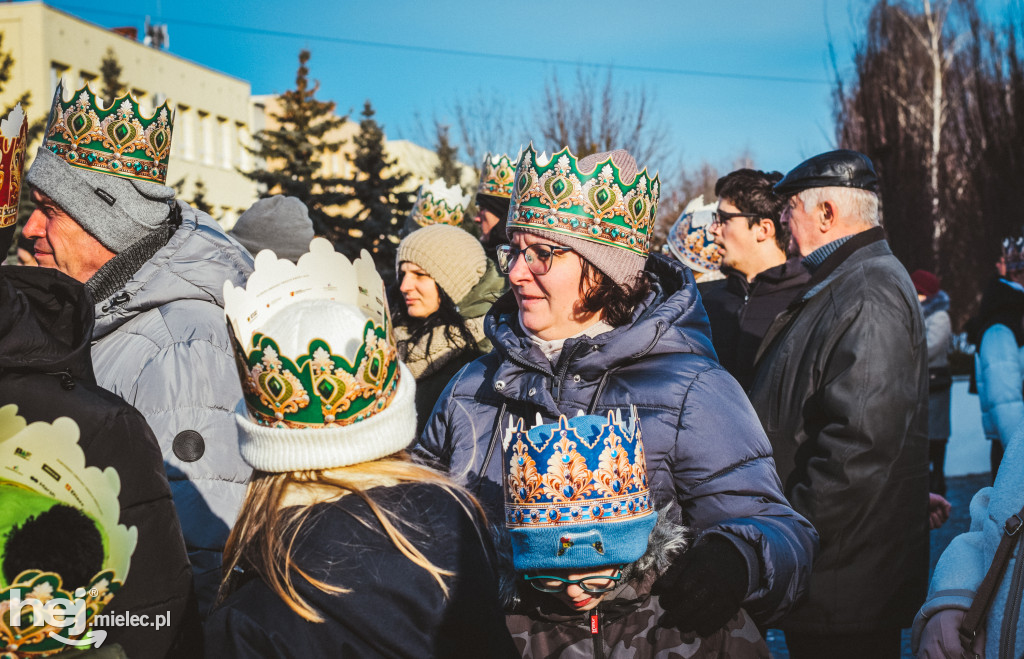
[[302, 381], [598, 206], [13, 140], [438, 204], [497, 176], [117, 140]]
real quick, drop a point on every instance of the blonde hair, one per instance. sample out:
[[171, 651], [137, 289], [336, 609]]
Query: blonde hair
[[267, 528]]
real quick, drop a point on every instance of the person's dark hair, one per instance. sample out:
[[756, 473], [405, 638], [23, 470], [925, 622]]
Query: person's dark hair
[[613, 301], [750, 190], [447, 316]]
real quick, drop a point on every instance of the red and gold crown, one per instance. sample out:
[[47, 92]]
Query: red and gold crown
[[13, 140], [117, 140]]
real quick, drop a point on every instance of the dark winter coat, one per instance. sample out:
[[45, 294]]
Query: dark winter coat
[[46, 370], [625, 623], [704, 446], [161, 343], [740, 312], [842, 390], [394, 608]]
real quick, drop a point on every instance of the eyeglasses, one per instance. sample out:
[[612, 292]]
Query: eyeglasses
[[538, 256], [721, 217], [594, 584]]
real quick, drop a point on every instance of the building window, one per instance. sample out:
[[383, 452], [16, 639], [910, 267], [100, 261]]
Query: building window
[[144, 101], [57, 71], [205, 146], [184, 133], [227, 142], [85, 78]]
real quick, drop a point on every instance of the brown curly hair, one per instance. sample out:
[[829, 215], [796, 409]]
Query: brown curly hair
[[613, 301]]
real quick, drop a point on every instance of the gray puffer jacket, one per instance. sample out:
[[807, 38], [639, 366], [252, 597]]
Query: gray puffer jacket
[[704, 445], [161, 343]]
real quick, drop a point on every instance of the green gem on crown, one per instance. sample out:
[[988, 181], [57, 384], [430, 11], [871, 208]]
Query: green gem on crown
[[117, 140], [597, 206]]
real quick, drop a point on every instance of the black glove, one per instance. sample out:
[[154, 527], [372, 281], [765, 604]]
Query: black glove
[[703, 589]]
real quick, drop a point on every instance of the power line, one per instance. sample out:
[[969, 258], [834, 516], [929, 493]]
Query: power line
[[461, 53]]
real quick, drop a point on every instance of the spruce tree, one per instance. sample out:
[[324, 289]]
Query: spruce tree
[[382, 207], [293, 152], [447, 165], [110, 72], [199, 197]]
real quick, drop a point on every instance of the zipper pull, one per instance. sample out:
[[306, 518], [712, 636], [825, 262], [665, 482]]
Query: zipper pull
[[594, 627]]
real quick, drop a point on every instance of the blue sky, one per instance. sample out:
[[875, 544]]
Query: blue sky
[[710, 117]]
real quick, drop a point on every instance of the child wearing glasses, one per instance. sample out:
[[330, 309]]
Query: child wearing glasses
[[587, 546]]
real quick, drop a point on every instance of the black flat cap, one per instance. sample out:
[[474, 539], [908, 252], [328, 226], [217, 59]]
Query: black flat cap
[[843, 169]]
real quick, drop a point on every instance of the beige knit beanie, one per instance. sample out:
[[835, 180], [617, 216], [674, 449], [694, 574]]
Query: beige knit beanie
[[619, 264], [451, 256]]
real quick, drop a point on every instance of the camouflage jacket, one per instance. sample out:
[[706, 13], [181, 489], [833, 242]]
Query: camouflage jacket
[[625, 625]]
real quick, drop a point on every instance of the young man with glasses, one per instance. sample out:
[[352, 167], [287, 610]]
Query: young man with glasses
[[585, 566], [759, 280]]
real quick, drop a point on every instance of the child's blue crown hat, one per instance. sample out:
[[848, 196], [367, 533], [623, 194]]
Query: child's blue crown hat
[[576, 492]]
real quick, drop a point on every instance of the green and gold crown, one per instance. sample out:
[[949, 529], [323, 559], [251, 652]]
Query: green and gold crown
[[314, 344], [436, 203], [117, 140], [599, 206], [497, 176]]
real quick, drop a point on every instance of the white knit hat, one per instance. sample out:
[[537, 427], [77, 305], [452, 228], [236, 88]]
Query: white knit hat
[[452, 257], [321, 379]]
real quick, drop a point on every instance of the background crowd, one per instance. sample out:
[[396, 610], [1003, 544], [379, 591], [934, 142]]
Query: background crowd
[[548, 440]]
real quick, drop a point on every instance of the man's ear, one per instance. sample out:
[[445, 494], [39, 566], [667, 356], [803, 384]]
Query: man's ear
[[765, 230], [827, 214]]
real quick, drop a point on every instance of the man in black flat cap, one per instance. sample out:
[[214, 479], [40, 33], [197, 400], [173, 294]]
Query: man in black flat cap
[[841, 387]]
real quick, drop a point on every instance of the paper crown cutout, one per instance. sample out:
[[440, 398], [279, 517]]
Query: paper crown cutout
[[118, 140], [438, 204], [1013, 254], [580, 471], [690, 240], [13, 140], [497, 176], [300, 381], [41, 464], [554, 195]]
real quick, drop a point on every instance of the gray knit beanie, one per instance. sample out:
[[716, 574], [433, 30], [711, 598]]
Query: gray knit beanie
[[116, 211], [277, 223], [618, 263], [451, 256]]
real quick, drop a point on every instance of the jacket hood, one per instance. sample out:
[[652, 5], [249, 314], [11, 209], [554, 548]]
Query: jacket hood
[[46, 323], [193, 265], [479, 299], [668, 539], [670, 320]]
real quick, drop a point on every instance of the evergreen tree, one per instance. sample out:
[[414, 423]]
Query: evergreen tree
[[382, 208], [199, 197], [110, 72], [292, 153], [447, 167]]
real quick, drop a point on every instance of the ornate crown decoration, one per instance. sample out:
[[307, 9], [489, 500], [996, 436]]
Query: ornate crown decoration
[[573, 472], [497, 176], [690, 240], [597, 206], [118, 140], [13, 140], [295, 382], [1013, 254], [438, 204], [42, 465]]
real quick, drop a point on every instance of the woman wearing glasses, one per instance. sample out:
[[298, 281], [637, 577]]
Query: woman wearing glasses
[[445, 285], [591, 325], [585, 569]]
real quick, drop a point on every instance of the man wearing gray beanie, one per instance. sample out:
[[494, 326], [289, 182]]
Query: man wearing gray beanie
[[155, 268]]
